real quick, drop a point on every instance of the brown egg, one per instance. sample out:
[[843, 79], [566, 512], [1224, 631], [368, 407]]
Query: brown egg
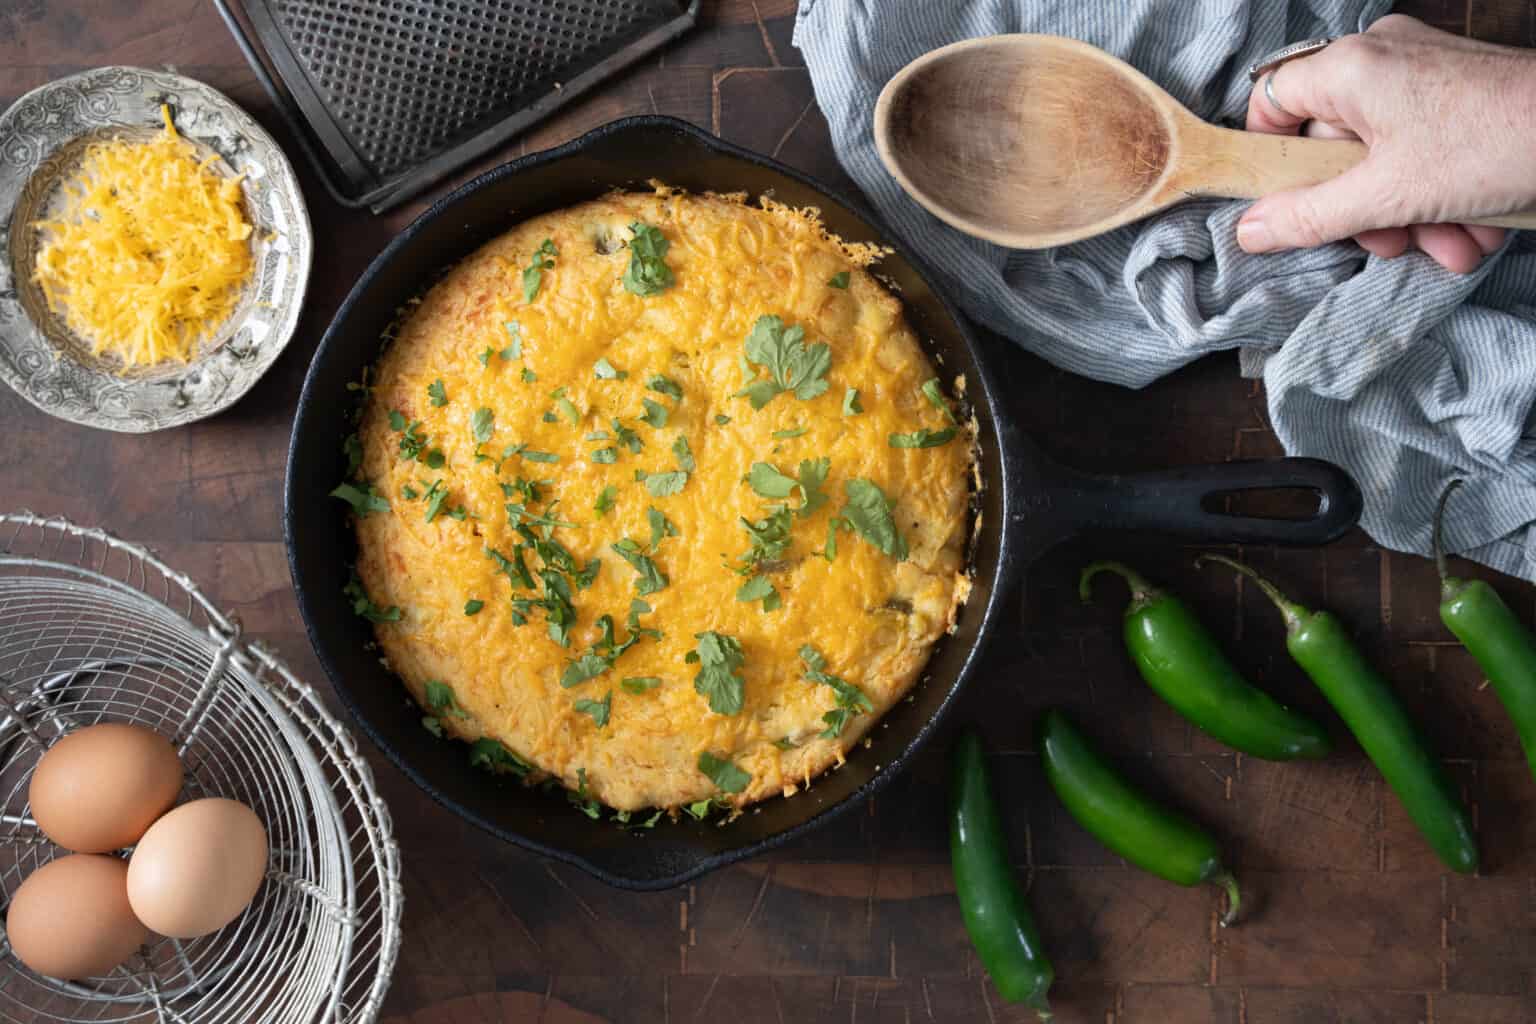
[[198, 868], [99, 788], [70, 919]]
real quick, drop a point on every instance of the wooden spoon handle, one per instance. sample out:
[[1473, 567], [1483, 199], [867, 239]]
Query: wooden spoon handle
[[1248, 165]]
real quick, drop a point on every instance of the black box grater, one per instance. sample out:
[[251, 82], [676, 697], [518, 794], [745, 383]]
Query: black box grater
[[388, 96]]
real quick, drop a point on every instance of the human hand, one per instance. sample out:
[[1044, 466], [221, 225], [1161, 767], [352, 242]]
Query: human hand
[[1451, 128]]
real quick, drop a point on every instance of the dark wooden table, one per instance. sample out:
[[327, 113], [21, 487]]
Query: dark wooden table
[[1353, 919]]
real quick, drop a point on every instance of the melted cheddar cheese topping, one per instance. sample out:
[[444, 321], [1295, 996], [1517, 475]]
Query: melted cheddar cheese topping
[[501, 416]]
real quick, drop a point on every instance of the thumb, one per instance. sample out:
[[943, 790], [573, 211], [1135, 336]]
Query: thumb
[[1305, 217]]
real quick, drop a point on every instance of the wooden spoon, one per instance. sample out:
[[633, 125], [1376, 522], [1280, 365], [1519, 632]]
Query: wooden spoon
[[1032, 141]]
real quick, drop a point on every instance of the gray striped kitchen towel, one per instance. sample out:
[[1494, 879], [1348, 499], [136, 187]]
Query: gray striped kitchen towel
[[1404, 373]]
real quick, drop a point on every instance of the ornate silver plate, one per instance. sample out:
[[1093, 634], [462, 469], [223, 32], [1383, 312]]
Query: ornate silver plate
[[42, 139]]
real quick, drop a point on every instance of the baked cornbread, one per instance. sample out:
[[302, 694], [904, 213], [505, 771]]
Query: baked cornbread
[[621, 523]]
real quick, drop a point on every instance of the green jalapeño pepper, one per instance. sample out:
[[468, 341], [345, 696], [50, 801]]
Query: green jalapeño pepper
[[1183, 664], [1505, 650], [1321, 646], [991, 901], [1123, 818]]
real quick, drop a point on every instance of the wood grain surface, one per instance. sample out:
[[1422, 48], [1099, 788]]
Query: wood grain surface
[[1353, 919]]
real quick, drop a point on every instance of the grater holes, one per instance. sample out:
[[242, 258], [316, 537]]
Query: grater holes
[[404, 79]]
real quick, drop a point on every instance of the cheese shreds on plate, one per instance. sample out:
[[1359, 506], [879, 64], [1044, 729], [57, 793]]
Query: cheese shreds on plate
[[150, 252]]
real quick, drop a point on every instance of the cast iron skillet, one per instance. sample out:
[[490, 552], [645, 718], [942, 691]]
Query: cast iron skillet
[[1026, 503]]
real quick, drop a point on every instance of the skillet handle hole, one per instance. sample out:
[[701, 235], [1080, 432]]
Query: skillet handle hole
[[1286, 504]]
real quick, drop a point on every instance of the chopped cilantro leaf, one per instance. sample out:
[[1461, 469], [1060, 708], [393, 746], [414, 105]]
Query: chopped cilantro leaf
[[598, 709], [604, 370], [408, 492], [628, 438], [580, 800], [661, 527], [605, 500], [655, 413], [932, 392], [651, 579], [759, 588], [587, 575], [352, 448], [839, 280], [638, 608], [767, 481], [493, 756], [810, 476], [923, 438], [515, 568], [791, 364], [721, 419], [533, 275], [833, 525], [364, 606], [436, 495], [770, 539], [473, 606], [665, 386], [683, 454], [869, 513], [724, 774], [483, 424], [412, 442], [437, 393], [719, 658], [529, 376], [485, 357], [514, 349], [663, 484], [523, 451], [529, 489], [640, 684], [518, 513], [559, 614], [851, 700], [440, 698], [588, 666], [851, 406], [553, 553], [647, 273], [396, 420], [362, 499]]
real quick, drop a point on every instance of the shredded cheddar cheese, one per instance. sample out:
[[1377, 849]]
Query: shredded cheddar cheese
[[150, 252]]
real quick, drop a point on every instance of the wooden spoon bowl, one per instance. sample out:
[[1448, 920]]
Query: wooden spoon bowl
[[1032, 141]]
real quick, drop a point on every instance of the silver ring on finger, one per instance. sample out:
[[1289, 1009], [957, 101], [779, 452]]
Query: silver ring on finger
[[1269, 94]]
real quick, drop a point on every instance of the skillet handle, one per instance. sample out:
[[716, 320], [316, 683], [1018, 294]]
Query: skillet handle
[[1175, 501]]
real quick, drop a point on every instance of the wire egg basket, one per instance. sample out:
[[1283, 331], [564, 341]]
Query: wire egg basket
[[95, 629]]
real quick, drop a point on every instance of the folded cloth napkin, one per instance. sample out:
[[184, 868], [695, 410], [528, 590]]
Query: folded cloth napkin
[[1402, 372]]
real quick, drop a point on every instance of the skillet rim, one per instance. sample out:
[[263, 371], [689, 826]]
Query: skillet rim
[[989, 411]]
